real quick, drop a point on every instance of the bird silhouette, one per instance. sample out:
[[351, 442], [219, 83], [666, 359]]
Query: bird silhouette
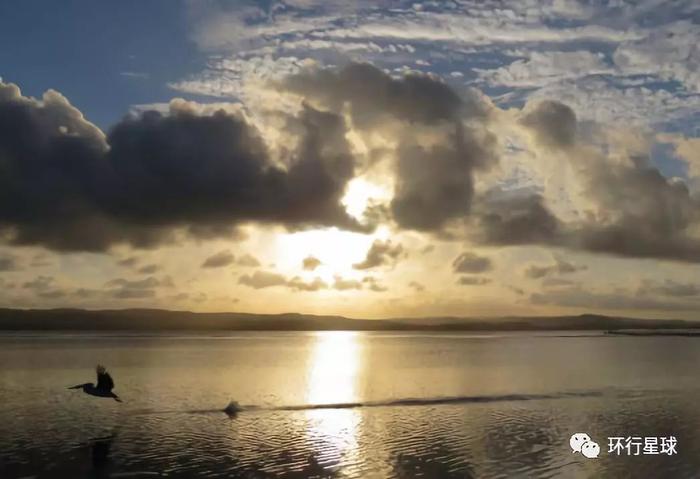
[[104, 387]]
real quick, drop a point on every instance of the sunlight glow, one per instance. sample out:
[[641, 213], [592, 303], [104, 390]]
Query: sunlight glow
[[337, 250], [360, 194], [333, 372], [334, 367]]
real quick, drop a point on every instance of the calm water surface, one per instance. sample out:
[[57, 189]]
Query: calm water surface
[[485, 405]]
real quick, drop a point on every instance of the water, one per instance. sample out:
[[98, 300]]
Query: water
[[405, 405]]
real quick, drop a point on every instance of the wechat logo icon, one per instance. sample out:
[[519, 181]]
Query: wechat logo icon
[[582, 442]]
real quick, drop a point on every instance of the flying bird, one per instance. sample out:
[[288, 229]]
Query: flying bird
[[104, 387]]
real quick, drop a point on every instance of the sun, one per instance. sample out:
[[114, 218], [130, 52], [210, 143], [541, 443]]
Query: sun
[[337, 249]]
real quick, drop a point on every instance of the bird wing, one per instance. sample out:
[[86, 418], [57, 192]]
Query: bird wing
[[104, 380]]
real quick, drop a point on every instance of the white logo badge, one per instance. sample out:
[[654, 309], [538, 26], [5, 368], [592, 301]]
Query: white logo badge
[[582, 442]]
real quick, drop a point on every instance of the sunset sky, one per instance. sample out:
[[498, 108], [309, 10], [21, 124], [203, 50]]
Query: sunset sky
[[363, 158]]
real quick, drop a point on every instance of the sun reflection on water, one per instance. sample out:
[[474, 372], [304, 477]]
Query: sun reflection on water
[[335, 363]]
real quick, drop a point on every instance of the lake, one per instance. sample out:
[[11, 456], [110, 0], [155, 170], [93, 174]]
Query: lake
[[342, 404]]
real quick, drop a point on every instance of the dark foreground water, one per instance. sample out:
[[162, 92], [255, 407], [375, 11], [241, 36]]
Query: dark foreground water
[[405, 405]]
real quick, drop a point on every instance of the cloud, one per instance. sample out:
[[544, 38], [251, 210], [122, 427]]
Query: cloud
[[374, 285], [8, 263], [512, 220], [310, 263], [550, 282], [627, 206], [379, 254], [667, 53], [129, 293], [71, 188], [148, 269], [146, 283], [577, 297], [40, 283], [122, 288], [219, 260], [297, 284], [44, 287], [670, 288], [471, 263], [416, 286], [248, 261], [438, 149], [560, 266], [346, 284], [79, 189], [267, 279], [262, 279], [129, 262], [553, 122], [539, 69], [473, 281], [135, 75]]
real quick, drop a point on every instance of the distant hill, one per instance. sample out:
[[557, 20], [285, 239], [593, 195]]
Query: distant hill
[[159, 319]]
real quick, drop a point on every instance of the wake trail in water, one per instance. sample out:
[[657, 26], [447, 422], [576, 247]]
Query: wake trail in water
[[233, 408]]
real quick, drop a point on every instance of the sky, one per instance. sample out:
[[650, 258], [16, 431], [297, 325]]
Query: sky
[[363, 158]]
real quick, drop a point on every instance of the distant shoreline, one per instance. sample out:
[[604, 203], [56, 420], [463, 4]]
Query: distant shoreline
[[166, 320], [655, 333]]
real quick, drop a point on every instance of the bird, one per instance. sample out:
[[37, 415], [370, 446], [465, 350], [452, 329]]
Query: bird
[[104, 387]]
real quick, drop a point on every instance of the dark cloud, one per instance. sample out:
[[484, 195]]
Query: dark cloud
[[670, 288], [416, 286], [148, 269], [129, 262], [248, 261], [512, 220], [379, 254], [262, 279], [516, 290], [471, 263], [121, 288], [636, 211], [44, 287], [473, 281], [557, 282], [40, 283], [553, 123], [372, 95], [641, 213], [52, 294], [8, 263], [434, 183], [560, 266], [65, 185], [297, 284], [145, 283], [267, 279], [68, 187], [310, 263], [128, 293], [40, 260], [219, 260]]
